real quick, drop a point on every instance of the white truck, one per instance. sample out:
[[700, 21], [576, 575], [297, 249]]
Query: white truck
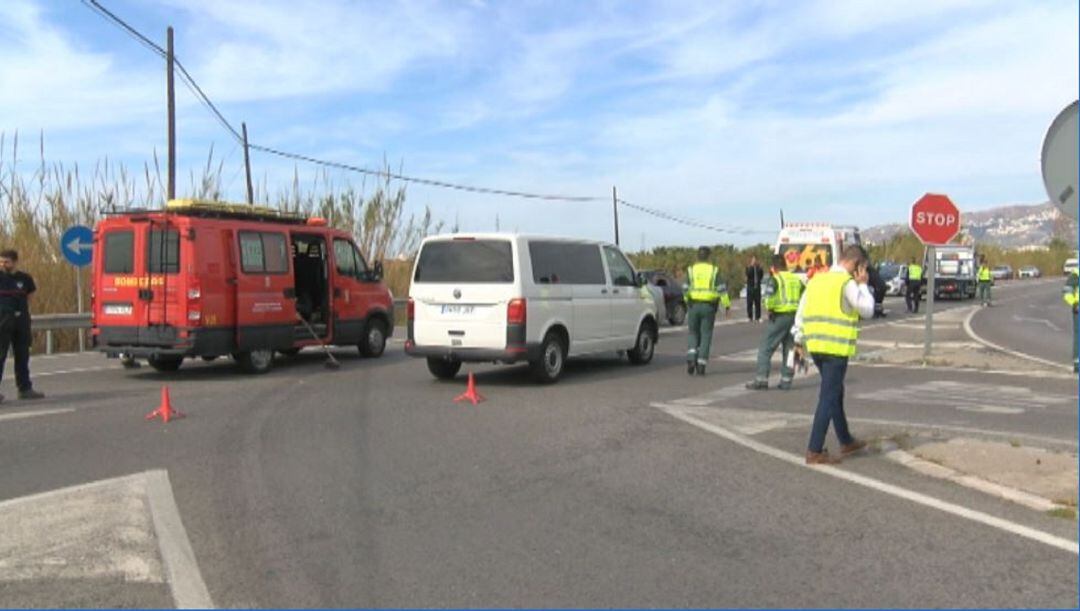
[[955, 272]]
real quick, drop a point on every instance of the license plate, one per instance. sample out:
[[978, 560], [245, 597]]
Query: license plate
[[458, 310], [118, 309]]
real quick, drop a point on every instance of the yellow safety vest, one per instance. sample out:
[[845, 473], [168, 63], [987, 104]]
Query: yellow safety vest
[[702, 278], [787, 290], [827, 329], [1072, 289], [914, 272], [984, 274]]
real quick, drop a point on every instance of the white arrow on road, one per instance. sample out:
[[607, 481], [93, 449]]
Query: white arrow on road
[[77, 247]]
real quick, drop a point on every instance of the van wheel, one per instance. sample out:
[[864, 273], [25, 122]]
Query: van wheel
[[442, 368], [256, 361], [645, 346], [165, 363], [677, 315], [373, 343], [549, 367]]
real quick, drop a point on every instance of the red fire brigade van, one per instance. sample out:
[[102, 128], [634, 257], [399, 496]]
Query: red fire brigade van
[[205, 280]]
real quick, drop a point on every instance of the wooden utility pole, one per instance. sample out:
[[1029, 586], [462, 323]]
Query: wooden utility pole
[[171, 94], [615, 208], [247, 167]]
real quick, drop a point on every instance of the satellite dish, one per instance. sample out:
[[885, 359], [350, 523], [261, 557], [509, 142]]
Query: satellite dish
[[1059, 160]]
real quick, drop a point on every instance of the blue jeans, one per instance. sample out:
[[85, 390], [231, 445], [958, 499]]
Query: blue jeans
[[830, 405]]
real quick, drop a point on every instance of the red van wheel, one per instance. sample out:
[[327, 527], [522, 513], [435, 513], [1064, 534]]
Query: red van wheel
[[373, 343], [256, 361]]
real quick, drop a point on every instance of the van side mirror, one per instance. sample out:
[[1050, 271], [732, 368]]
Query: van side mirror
[[377, 271], [640, 279]]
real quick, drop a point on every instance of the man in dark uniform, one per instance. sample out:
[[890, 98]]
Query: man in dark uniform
[[15, 290], [754, 276]]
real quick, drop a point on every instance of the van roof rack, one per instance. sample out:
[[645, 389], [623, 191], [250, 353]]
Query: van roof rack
[[201, 208]]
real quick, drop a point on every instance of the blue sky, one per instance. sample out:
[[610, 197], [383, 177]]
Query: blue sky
[[838, 110]]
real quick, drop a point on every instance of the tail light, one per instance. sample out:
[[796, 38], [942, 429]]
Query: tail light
[[194, 296], [515, 312], [410, 309]]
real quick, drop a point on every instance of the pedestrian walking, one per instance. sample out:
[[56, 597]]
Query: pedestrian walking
[[1072, 298], [783, 290], [15, 290], [754, 277], [827, 326], [913, 280], [705, 292], [986, 280]]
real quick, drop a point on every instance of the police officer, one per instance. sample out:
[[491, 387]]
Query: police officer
[[15, 290], [1072, 297], [986, 280], [827, 326], [913, 286], [782, 292], [705, 292]]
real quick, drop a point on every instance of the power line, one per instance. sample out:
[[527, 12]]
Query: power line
[[193, 86]]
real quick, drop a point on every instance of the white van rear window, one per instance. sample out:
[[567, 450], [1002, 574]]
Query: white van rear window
[[466, 261], [801, 257]]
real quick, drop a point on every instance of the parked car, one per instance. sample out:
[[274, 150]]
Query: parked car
[[205, 279], [1030, 271], [1070, 266], [674, 304], [1001, 272], [509, 298]]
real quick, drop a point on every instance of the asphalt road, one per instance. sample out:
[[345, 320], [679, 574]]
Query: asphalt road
[[1030, 317], [369, 487]]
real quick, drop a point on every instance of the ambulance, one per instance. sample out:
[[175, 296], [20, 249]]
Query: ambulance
[[808, 245], [200, 279]]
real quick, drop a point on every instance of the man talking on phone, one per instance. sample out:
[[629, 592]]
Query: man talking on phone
[[827, 326]]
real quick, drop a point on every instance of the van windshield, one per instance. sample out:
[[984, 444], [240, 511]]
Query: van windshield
[[472, 261]]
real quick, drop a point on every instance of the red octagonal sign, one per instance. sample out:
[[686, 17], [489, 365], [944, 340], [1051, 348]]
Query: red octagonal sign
[[935, 219]]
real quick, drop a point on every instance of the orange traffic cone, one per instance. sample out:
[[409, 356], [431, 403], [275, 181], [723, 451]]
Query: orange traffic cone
[[164, 411], [470, 393]]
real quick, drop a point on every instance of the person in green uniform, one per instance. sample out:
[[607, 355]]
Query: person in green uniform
[[704, 292], [783, 290], [986, 280], [1072, 298]]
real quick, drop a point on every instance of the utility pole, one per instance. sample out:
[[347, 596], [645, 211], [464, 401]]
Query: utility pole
[[247, 167], [171, 95], [615, 209]]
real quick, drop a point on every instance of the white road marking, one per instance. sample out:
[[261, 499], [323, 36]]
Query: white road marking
[[990, 398], [878, 485], [1041, 321], [35, 414], [46, 374], [182, 571], [971, 333]]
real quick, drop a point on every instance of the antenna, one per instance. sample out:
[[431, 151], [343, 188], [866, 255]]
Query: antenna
[[781, 218]]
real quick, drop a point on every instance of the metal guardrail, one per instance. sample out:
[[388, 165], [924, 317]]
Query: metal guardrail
[[48, 323]]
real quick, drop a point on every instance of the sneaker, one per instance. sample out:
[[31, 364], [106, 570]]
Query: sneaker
[[700, 369], [690, 368], [31, 394], [757, 385], [784, 385]]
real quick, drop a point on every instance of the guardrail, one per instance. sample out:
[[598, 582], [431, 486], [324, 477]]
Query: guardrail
[[48, 323]]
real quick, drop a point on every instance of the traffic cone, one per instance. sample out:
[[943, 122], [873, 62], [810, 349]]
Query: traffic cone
[[470, 393], [165, 411]]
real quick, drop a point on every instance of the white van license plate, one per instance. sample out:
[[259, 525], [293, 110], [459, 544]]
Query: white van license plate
[[117, 309], [458, 310]]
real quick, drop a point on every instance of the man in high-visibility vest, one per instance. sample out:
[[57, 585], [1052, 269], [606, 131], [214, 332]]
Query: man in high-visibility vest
[[913, 286], [986, 280], [783, 290], [1072, 297], [827, 326], [704, 292]]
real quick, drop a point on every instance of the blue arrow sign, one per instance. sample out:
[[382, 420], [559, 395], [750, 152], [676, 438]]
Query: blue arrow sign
[[77, 244]]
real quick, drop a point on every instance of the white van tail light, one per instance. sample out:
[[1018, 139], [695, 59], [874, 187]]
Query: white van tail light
[[515, 312]]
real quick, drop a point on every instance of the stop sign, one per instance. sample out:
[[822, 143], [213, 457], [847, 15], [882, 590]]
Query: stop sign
[[935, 219]]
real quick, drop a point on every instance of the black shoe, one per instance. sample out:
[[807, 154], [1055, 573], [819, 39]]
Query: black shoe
[[31, 394], [690, 368], [757, 385], [700, 369], [785, 385]]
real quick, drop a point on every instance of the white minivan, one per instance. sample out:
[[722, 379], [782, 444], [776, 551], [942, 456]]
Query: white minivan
[[510, 298]]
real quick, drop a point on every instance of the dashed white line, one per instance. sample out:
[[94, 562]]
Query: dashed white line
[[36, 413], [916, 497]]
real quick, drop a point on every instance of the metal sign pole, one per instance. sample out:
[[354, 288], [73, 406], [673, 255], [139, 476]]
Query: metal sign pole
[[931, 264], [79, 305]]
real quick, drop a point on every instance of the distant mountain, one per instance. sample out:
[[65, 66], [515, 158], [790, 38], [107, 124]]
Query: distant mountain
[[1015, 226]]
